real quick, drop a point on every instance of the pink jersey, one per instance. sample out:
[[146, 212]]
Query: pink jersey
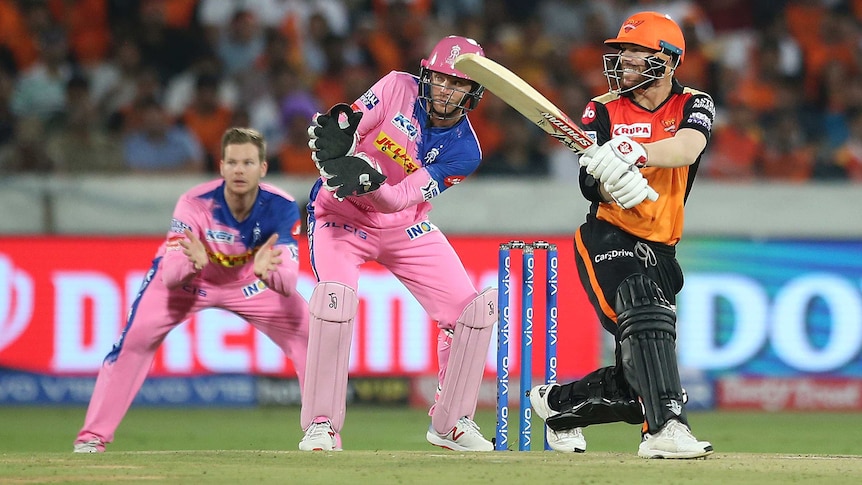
[[172, 291], [230, 244], [389, 225], [419, 161]]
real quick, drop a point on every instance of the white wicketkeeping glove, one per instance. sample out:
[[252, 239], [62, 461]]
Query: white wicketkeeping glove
[[630, 189], [615, 158]]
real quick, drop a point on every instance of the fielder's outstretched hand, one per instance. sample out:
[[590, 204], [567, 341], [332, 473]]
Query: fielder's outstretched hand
[[267, 259], [346, 176], [194, 249], [328, 138]]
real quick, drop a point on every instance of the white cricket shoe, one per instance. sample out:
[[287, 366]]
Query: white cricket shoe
[[464, 436], [95, 445], [539, 400], [567, 440], [320, 437], [674, 440]]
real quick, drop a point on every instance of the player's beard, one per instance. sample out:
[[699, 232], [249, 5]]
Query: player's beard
[[631, 77]]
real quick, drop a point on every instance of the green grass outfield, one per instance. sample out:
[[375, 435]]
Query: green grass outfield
[[387, 445]]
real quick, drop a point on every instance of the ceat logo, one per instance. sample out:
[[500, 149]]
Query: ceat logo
[[453, 180], [589, 114]]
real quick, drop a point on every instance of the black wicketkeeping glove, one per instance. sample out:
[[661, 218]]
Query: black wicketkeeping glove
[[351, 175], [328, 138]]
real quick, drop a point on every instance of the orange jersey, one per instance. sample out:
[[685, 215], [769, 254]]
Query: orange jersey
[[611, 115]]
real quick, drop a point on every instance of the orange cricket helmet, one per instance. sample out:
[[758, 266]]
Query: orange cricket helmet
[[652, 30]]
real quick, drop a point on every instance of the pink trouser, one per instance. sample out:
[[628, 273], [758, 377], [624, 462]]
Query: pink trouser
[[156, 311], [427, 265]]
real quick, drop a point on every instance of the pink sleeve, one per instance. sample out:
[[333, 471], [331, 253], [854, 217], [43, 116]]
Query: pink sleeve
[[404, 194], [283, 279], [176, 268]]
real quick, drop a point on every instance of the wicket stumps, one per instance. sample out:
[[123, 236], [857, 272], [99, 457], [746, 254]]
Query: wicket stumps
[[504, 288]]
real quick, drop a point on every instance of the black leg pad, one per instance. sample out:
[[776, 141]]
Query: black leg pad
[[647, 333]]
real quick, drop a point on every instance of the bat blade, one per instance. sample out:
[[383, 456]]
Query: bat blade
[[525, 99]]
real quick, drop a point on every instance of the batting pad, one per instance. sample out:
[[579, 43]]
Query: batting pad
[[473, 331], [333, 308], [647, 326]]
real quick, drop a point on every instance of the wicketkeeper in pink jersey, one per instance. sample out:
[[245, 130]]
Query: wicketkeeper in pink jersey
[[402, 143], [226, 236]]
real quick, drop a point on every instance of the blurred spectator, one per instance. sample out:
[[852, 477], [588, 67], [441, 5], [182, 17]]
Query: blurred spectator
[[698, 69], [294, 156], [486, 123], [788, 155], [241, 43], [798, 58], [41, 89], [147, 86], [836, 42], [314, 48], [278, 50], [519, 153], [113, 82], [160, 146], [86, 22], [27, 151], [179, 14], [82, 146], [376, 47], [22, 23], [170, 50], [180, 89], [563, 163], [267, 112], [585, 56], [567, 21], [7, 118], [208, 119], [755, 86], [848, 156], [341, 81], [736, 147]]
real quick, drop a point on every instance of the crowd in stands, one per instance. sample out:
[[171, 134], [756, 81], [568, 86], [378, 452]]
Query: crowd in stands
[[148, 86]]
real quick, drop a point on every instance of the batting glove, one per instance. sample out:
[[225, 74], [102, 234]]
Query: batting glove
[[630, 189], [615, 158], [329, 137]]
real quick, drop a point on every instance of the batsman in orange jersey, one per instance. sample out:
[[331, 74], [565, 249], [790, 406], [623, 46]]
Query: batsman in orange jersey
[[652, 132]]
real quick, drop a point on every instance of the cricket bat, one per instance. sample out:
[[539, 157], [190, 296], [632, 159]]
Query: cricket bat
[[526, 100]]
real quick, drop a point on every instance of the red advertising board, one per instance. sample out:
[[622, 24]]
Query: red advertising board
[[789, 394], [63, 302]]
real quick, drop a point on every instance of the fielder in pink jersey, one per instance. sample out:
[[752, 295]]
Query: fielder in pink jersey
[[402, 143], [226, 236]]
